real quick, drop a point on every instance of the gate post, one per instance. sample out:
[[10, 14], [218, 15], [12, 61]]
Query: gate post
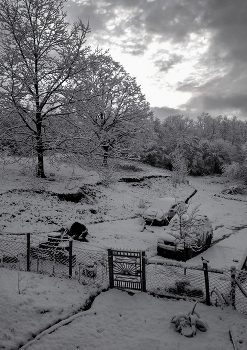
[[233, 285], [205, 269], [143, 265], [28, 251], [110, 264], [70, 257]]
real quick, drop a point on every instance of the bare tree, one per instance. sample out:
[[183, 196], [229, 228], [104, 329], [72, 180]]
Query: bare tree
[[113, 109], [40, 56]]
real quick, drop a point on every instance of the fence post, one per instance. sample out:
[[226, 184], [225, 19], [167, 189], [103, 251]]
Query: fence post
[[110, 264], [143, 277], [205, 269], [28, 251], [70, 257], [233, 285]]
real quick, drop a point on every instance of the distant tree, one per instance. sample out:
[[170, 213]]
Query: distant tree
[[176, 129], [237, 170], [179, 168], [206, 144], [207, 127], [40, 56]]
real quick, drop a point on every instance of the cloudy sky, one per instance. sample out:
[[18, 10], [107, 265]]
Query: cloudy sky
[[189, 56]]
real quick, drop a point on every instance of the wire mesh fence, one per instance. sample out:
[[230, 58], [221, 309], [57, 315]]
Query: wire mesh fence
[[49, 255], [52, 255], [13, 250], [241, 291], [219, 287], [176, 280]]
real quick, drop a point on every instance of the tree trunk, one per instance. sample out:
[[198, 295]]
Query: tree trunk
[[105, 157], [40, 168], [40, 152]]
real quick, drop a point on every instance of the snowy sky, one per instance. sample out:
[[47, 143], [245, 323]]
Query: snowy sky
[[188, 56]]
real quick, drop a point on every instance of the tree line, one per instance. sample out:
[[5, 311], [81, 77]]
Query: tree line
[[208, 145]]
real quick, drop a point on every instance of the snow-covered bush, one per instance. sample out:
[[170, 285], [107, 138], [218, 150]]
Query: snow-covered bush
[[236, 171]]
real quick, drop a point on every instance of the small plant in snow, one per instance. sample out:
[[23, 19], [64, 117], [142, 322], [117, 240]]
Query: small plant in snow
[[107, 175], [182, 225], [142, 204], [20, 278]]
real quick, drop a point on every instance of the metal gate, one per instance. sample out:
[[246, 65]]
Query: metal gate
[[127, 269]]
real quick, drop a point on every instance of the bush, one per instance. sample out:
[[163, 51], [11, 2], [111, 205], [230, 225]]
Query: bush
[[208, 157], [236, 171], [130, 167], [203, 157], [183, 287], [157, 157]]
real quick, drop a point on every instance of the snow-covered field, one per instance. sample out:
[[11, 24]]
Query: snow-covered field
[[116, 320]]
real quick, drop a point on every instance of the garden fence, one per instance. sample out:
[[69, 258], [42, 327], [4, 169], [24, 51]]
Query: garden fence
[[94, 266], [61, 258], [213, 286]]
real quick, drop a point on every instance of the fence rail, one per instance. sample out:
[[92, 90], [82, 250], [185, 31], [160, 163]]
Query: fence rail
[[90, 266]]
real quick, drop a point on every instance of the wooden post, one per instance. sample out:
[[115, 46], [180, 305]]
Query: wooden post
[[28, 251], [205, 269], [233, 285], [70, 257], [143, 277], [110, 264]]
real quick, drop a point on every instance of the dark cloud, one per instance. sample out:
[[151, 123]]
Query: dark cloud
[[88, 12], [224, 91], [163, 112], [174, 20], [232, 104], [228, 23], [229, 102], [219, 95]]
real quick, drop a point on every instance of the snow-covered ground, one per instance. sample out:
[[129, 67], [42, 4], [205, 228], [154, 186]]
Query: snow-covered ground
[[116, 320]]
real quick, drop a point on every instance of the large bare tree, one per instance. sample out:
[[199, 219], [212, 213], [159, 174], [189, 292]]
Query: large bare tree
[[111, 106], [40, 56]]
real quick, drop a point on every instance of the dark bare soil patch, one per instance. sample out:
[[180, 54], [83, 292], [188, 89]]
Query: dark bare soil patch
[[140, 179]]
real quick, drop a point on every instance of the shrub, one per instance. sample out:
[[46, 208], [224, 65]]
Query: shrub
[[158, 157], [183, 287], [129, 167], [236, 171]]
